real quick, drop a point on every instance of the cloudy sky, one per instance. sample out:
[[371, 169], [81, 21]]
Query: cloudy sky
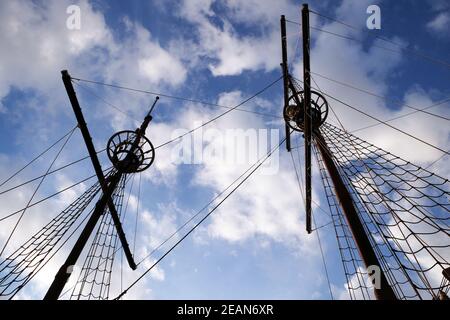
[[222, 52]]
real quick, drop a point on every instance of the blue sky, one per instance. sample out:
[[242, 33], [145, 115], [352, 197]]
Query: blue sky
[[255, 246]]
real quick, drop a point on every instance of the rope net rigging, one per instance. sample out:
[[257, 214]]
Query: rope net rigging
[[404, 210], [21, 266], [94, 280], [95, 277]]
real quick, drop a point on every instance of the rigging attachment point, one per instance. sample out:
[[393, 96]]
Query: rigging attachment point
[[293, 113], [130, 152]]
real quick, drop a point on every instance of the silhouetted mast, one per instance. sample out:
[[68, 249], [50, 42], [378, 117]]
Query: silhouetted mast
[[304, 113], [130, 152]]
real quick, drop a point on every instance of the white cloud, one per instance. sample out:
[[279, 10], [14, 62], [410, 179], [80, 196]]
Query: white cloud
[[440, 23], [252, 211], [419, 125], [231, 53], [33, 220], [372, 68], [266, 207], [437, 5], [36, 45], [354, 283], [158, 229], [139, 59]]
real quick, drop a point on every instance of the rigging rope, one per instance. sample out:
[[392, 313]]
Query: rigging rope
[[300, 185], [386, 98], [383, 122], [38, 237], [185, 223], [161, 95], [405, 210], [137, 214], [436, 161], [402, 47], [198, 223], [198, 212], [323, 258], [371, 230], [22, 264], [57, 250], [389, 125], [161, 145], [91, 92], [222, 114], [190, 219], [408, 279], [362, 42], [50, 196], [49, 173], [35, 158], [95, 277], [123, 219], [36, 190], [351, 263]]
